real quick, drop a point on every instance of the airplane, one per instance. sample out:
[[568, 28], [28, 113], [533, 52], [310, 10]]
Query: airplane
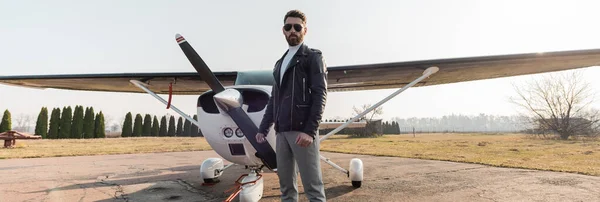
[[231, 104]]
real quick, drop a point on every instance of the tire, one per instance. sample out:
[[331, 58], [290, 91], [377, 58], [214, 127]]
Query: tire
[[356, 184], [211, 180]]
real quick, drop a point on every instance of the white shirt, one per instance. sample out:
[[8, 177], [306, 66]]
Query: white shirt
[[286, 60]]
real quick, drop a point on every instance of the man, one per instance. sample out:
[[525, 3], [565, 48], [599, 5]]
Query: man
[[295, 108]]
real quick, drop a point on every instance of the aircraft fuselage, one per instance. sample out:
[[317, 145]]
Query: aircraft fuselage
[[221, 132]]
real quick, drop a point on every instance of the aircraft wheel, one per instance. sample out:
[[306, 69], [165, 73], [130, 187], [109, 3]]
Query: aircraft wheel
[[356, 172], [210, 170], [356, 184], [211, 180]]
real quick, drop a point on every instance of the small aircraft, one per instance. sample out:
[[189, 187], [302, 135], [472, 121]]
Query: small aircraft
[[231, 105]]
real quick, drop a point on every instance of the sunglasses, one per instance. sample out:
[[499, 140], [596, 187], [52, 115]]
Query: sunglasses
[[288, 27]]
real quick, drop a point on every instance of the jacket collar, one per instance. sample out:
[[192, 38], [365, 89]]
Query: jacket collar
[[302, 51]]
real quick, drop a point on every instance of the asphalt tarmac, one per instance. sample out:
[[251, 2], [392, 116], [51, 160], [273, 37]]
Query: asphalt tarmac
[[175, 177]]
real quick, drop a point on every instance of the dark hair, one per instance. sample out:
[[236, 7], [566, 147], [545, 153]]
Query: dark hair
[[295, 14]]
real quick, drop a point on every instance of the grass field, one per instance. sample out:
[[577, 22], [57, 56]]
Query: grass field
[[83, 147], [511, 150]]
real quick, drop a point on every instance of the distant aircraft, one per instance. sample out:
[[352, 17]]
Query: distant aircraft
[[231, 104]]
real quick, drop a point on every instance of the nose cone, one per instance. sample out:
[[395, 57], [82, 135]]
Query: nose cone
[[228, 99]]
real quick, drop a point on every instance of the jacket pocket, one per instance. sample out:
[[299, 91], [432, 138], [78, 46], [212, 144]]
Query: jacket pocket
[[302, 112]]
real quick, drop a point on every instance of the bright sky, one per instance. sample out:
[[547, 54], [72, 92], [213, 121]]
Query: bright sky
[[75, 37]]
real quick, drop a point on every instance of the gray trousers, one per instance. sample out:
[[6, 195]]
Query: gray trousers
[[290, 157]]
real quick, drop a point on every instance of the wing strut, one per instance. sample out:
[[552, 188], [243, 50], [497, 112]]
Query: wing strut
[[331, 163], [428, 72], [170, 94], [142, 86], [352, 173]]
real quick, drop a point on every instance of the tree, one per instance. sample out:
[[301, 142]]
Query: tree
[[194, 128], [77, 126], [179, 127], [372, 129], [54, 126], [368, 116], [187, 127], [99, 126], [155, 127], [171, 131], [559, 103], [127, 126], [41, 126], [163, 127], [5, 124], [21, 122], [65, 123], [89, 123], [108, 120], [147, 127], [137, 126]]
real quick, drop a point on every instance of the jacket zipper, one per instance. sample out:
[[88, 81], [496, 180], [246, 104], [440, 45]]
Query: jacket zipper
[[292, 97], [304, 89], [277, 100], [276, 103]]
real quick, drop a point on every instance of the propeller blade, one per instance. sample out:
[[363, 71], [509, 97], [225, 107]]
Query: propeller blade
[[230, 101], [264, 150], [199, 65]]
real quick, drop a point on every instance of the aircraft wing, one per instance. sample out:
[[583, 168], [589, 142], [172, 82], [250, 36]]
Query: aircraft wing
[[183, 83], [340, 78], [395, 75]]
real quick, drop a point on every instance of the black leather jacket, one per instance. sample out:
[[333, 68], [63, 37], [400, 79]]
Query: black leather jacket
[[297, 104]]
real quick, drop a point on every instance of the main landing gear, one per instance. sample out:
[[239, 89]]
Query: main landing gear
[[249, 187]]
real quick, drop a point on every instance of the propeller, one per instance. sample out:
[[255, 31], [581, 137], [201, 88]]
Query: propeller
[[230, 101]]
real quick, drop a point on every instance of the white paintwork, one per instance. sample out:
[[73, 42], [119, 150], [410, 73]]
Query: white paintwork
[[251, 192], [208, 167], [212, 126], [356, 170]]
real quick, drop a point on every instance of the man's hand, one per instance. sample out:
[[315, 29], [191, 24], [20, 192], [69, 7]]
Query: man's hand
[[303, 140], [260, 138]]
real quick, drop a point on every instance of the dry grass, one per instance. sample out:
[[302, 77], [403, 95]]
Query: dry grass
[[84, 147], [511, 150]]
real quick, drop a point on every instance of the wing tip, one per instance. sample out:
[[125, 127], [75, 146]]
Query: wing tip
[[431, 70]]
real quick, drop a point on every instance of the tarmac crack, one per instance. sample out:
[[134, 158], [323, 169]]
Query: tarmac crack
[[187, 185], [448, 171], [483, 192], [84, 192], [34, 198], [119, 193], [458, 170], [54, 188]]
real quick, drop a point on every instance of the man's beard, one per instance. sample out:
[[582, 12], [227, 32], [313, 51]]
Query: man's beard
[[294, 41]]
